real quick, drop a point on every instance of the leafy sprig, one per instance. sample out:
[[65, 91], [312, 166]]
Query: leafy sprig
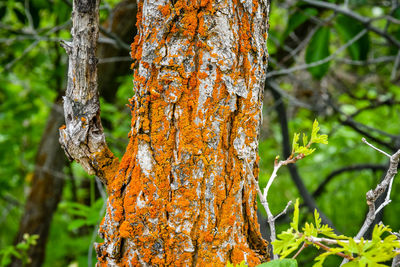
[[361, 252], [306, 149]]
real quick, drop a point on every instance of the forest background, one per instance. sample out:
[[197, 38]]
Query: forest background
[[337, 61]]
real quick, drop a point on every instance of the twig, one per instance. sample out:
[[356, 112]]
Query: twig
[[365, 21], [378, 60], [284, 210], [377, 149], [29, 16], [395, 66], [357, 167], [372, 195], [294, 173], [264, 195], [26, 51], [275, 86], [319, 62], [264, 203], [312, 240], [118, 41], [114, 59], [300, 250]]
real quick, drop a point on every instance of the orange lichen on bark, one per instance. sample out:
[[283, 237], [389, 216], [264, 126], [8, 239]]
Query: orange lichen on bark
[[106, 162], [165, 10], [181, 189]]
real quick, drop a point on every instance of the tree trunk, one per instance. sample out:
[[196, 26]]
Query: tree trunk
[[182, 195], [46, 189], [47, 183]]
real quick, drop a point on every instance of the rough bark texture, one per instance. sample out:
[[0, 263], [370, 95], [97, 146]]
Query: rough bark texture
[[47, 181], [47, 184], [181, 195], [82, 137]]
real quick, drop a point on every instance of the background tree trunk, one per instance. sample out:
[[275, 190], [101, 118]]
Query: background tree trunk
[[45, 193], [181, 195]]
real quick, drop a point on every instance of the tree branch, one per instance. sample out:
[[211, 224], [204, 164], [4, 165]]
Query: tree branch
[[82, 137], [365, 21], [294, 174], [358, 167], [373, 195]]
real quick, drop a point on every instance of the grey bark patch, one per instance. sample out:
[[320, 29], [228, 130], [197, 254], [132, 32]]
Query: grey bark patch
[[237, 87], [85, 6]]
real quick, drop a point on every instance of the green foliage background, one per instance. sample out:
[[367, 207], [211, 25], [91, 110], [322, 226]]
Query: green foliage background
[[31, 77]]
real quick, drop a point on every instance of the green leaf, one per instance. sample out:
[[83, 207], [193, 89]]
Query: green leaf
[[348, 28], [318, 49], [316, 137], [242, 264], [75, 224], [286, 243], [295, 223], [315, 130], [317, 219], [309, 229], [304, 150], [351, 264], [295, 143], [305, 139], [279, 263]]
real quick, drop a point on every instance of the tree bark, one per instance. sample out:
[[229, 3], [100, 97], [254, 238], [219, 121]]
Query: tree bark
[[47, 182], [181, 194], [82, 136]]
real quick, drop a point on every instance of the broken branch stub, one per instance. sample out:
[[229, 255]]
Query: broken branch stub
[[82, 137]]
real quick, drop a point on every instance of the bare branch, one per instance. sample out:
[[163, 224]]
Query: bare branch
[[284, 210], [377, 149], [114, 59], [365, 21], [357, 167], [372, 195], [367, 62], [82, 137], [26, 51], [395, 66], [118, 41], [319, 62]]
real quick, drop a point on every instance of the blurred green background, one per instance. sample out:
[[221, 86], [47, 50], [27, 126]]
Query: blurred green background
[[324, 63]]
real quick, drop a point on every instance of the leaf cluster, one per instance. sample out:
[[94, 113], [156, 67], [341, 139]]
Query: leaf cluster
[[306, 149], [19, 250], [82, 215], [273, 263], [363, 252]]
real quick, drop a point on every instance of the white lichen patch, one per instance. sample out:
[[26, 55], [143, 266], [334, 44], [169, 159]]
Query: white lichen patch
[[145, 158]]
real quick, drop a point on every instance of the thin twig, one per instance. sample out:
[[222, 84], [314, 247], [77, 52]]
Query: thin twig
[[319, 62], [365, 21], [26, 51], [372, 195], [114, 59], [377, 149], [319, 244], [300, 250], [284, 210], [395, 66]]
